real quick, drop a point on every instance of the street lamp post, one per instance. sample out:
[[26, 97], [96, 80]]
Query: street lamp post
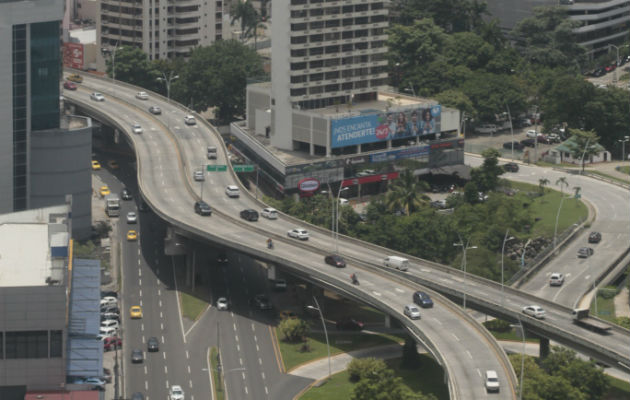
[[167, 81], [623, 147], [112, 54], [332, 211], [318, 308], [505, 239], [464, 248], [616, 59], [520, 386], [511, 128], [341, 189]]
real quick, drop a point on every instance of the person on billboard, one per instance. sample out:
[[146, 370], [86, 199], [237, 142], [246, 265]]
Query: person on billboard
[[428, 126], [414, 127], [401, 126], [392, 125]]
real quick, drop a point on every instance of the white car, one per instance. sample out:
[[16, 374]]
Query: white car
[[298, 233], [531, 133], [142, 96], [109, 301], [412, 311], [110, 323], [136, 128], [222, 304], [176, 393], [534, 311], [199, 176], [232, 191], [190, 120], [270, 213], [492, 381], [556, 279], [96, 96], [132, 217]]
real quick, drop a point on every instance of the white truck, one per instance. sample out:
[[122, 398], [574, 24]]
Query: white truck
[[580, 317], [399, 263], [112, 205]]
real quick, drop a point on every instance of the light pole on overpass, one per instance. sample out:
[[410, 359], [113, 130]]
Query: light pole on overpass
[[341, 189], [522, 332], [623, 147], [318, 308], [167, 81], [464, 248], [505, 239]]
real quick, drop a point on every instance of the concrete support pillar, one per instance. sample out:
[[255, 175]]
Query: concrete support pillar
[[271, 271], [544, 348], [388, 321], [189, 269]]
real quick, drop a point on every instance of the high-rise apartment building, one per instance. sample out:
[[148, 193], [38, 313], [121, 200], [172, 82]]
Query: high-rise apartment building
[[161, 28], [325, 53]]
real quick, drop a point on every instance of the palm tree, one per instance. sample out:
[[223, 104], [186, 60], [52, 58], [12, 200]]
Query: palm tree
[[541, 184], [576, 191], [406, 193], [562, 181], [245, 12]]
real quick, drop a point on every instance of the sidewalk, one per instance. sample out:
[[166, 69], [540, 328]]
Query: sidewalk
[[622, 307], [609, 168]]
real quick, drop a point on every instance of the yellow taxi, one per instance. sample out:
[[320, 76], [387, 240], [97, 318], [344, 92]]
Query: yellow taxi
[[75, 78], [135, 312], [132, 235], [96, 165], [113, 164], [104, 191]]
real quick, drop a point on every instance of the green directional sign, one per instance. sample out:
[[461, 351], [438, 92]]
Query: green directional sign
[[216, 168], [243, 168]]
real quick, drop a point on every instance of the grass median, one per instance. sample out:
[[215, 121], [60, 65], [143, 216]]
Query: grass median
[[219, 393], [192, 306], [426, 378], [294, 354]]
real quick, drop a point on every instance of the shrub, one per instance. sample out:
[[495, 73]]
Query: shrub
[[498, 325], [293, 329]]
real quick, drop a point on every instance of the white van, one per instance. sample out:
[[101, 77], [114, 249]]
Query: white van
[[399, 263], [492, 381], [212, 153], [270, 213]]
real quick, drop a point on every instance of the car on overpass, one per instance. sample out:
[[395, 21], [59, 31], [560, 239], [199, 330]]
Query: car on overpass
[[412, 311], [510, 167], [556, 279], [298, 233], [594, 237], [422, 299], [190, 120], [203, 208], [249, 215], [585, 252], [155, 110], [142, 96], [75, 78], [335, 260], [534, 311], [96, 96], [232, 191], [222, 304], [269, 213], [136, 128], [69, 85]]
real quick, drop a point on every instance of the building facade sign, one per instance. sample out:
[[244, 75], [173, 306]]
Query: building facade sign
[[73, 55], [377, 127]]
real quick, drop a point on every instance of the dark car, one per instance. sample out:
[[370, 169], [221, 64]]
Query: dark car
[[585, 252], [155, 110], [137, 396], [111, 343], [508, 145], [143, 207], [261, 302], [222, 258], [528, 142], [69, 85], [109, 293], [107, 375], [202, 208], [594, 237], [153, 344], [349, 324], [136, 356], [106, 316], [510, 167], [249, 214], [422, 299], [126, 194], [335, 260]]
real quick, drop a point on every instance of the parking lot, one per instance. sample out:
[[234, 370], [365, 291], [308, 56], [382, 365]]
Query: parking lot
[[476, 143]]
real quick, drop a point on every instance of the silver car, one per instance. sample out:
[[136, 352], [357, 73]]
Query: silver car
[[132, 217], [534, 311], [199, 176], [412, 311], [96, 96], [136, 128]]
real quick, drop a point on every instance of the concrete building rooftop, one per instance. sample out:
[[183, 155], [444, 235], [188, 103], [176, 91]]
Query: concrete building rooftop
[[24, 254]]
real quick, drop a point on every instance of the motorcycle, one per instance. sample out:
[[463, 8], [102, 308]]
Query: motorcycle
[[269, 244], [355, 280]]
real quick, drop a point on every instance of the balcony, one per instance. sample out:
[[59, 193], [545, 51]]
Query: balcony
[[345, 67], [340, 80], [340, 16], [306, 45], [307, 31]]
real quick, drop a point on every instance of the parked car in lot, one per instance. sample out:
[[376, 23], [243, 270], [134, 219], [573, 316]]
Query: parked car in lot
[[532, 133], [106, 316], [249, 215], [422, 299], [153, 344], [203, 208], [556, 279], [510, 167], [279, 285], [335, 260], [155, 110], [439, 204], [487, 128], [298, 233], [517, 145], [585, 252], [110, 308], [412, 311], [594, 237], [109, 301], [528, 142], [349, 324], [534, 311], [111, 343]]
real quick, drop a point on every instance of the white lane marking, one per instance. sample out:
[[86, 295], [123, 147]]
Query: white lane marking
[[266, 390], [399, 290], [253, 328], [167, 385], [187, 355], [238, 347], [190, 383], [140, 282], [437, 321], [164, 354], [469, 355], [160, 303], [234, 326], [165, 369], [246, 391], [479, 372], [139, 263], [159, 292], [456, 338], [376, 293], [263, 375], [161, 315], [163, 343], [146, 385], [142, 327], [188, 367], [179, 308], [161, 326], [139, 272], [140, 292], [259, 361], [587, 277], [257, 348], [243, 375], [255, 338], [145, 369], [143, 339], [140, 303], [240, 360]]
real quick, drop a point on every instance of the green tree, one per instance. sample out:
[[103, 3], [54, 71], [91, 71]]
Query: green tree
[[410, 356], [564, 99], [216, 76], [583, 144], [406, 193], [379, 383], [486, 177], [451, 15], [244, 12], [607, 114], [585, 376], [359, 368], [132, 66], [542, 182], [490, 92], [456, 99], [293, 329]]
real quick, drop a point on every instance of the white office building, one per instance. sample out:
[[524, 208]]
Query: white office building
[[161, 28]]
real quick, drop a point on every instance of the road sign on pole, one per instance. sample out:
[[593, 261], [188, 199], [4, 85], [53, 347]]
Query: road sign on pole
[[243, 168], [216, 168]]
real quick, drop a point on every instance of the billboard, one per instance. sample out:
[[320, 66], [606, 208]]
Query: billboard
[[377, 127], [73, 55]]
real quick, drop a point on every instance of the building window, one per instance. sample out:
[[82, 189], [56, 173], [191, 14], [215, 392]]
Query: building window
[[26, 344], [19, 116], [56, 344]]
